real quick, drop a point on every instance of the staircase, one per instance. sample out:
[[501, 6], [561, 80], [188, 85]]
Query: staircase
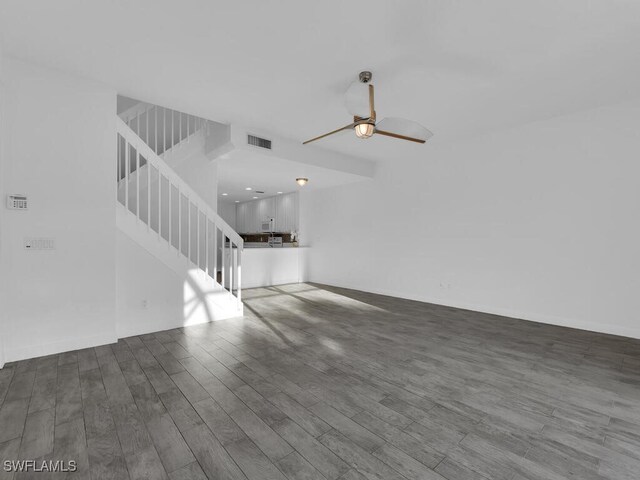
[[159, 211]]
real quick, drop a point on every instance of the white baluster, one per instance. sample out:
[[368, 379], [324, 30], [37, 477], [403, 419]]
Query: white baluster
[[126, 178], [215, 252], [138, 183], [118, 157], [222, 259], [170, 216], [148, 189], [156, 122], [206, 245], [231, 261], [198, 237], [179, 222], [159, 203], [239, 277]]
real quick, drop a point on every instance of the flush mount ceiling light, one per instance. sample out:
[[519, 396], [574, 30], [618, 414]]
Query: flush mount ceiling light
[[225, 194], [279, 193], [248, 188], [302, 181], [255, 198], [360, 104], [237, 201]]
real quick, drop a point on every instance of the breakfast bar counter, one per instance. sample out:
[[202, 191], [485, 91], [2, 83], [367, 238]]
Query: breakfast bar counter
[[266, 266]]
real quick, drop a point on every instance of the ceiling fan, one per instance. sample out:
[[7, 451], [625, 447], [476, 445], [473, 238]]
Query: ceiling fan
[[360, 104]]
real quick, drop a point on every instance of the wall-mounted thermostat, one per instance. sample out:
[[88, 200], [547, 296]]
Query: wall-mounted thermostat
[[17, 202]]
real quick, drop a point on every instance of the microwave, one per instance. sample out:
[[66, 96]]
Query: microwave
[[267, 225]]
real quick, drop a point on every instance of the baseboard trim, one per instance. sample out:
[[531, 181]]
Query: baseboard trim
[[503, 312], [34, 351]]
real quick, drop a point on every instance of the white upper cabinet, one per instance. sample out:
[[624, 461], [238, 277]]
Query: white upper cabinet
[[283, 208], [266, 210], [241, 217], [286, 212]]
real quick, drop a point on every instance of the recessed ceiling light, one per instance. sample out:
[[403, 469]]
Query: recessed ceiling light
[[255, 197], [225, 194], [279, 193], [237, 201], [302, 181], [248, 188]]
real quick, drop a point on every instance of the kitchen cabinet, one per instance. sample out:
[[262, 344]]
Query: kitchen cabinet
[[265, 211], [241, 217], [283, 208], [286, 212]]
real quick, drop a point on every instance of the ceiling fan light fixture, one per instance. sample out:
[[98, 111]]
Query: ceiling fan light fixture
[[302, 181], [364, 130]]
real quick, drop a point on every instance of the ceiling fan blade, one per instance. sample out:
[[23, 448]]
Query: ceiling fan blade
[[401, 137], [346, 127], [403, 129], [356, 99]]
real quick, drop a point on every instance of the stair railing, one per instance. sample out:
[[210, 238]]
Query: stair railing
[[149, 189], [162, 128]]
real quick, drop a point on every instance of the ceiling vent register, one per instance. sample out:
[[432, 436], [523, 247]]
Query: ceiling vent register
[[259, 142]]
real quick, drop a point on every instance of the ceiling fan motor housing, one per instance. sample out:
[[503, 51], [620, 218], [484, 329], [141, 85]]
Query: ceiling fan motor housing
[[365, 77]]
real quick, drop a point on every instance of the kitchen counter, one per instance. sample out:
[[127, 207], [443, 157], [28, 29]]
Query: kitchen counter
[[266, 266], [266, 245]]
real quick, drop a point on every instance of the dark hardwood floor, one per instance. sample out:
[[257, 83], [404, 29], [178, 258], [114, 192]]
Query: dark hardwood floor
[[321, 383]]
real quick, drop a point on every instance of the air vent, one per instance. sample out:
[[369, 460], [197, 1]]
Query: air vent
[[259, 142]]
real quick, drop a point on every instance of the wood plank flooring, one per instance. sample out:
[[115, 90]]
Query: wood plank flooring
[[321, 383]]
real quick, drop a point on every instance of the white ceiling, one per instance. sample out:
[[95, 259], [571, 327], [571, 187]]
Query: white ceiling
[[270, 174], [458, 67]]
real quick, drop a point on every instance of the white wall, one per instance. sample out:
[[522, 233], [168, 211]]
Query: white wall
[[2, 212], [540, 222], [149, 294], [58, 137]]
